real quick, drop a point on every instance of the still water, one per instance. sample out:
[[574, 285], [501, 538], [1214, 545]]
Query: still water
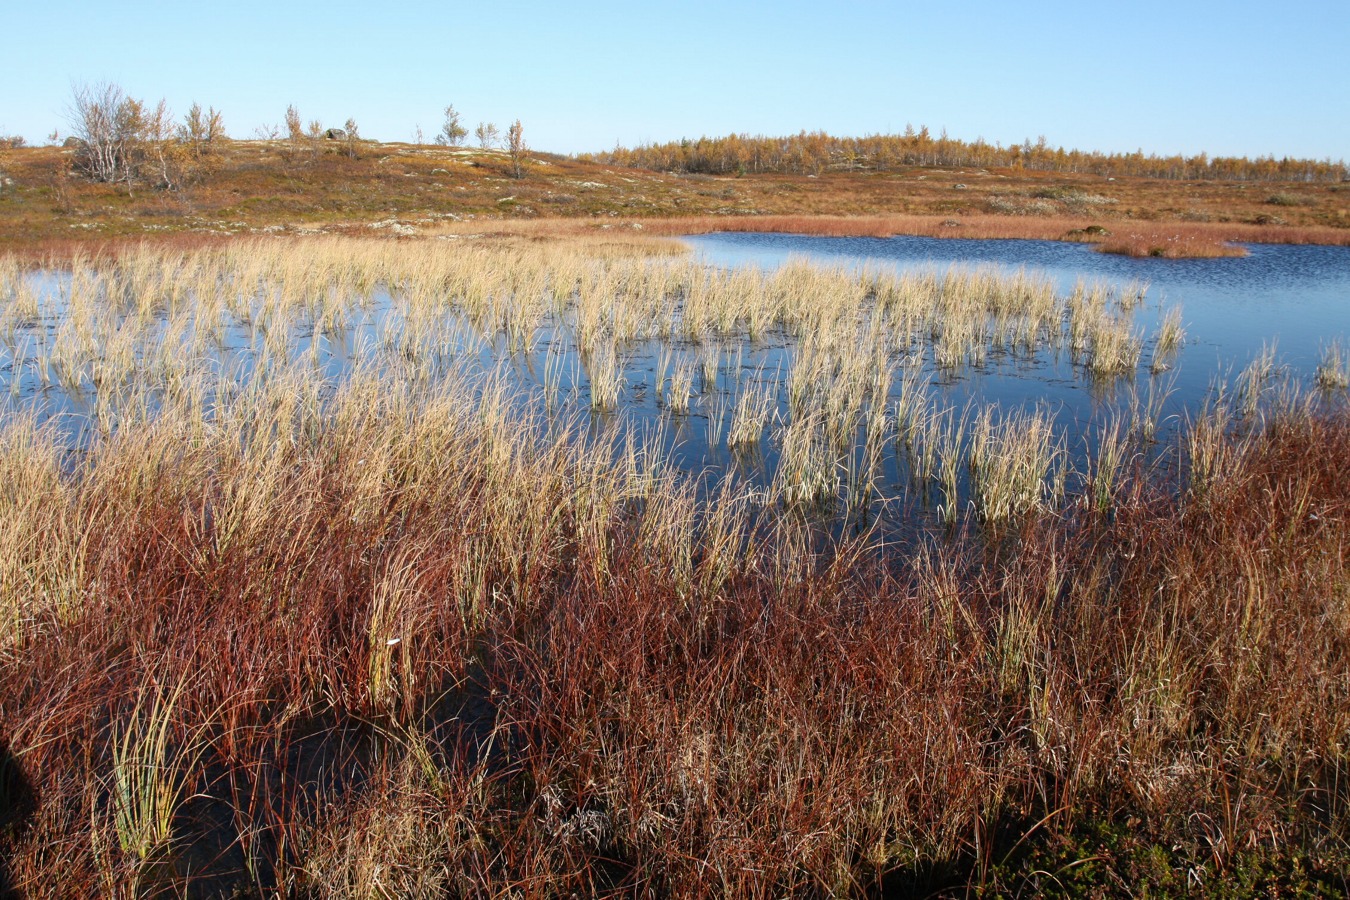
[[1286, 302], [1296, 298]]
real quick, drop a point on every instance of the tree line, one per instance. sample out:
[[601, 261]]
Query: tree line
[[812, 153]]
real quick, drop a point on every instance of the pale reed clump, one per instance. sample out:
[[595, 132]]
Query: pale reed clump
[[1012, 463], [1333, 371], [751, 416]]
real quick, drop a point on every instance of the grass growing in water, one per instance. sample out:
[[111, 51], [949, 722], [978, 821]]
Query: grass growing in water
[[1333, 372], [1012, 464], [436, 640]]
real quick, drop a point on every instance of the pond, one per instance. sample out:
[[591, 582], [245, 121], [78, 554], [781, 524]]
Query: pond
[[1294, 298], [843, 374]]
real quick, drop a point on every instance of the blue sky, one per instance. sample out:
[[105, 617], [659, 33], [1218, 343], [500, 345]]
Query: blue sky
[[1238, 78]]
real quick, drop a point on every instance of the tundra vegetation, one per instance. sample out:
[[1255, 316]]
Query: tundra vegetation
[[300, 597], [134, 170], [819, 152]]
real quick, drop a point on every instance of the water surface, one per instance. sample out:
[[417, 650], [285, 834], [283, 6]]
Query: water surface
[[1296, 297]]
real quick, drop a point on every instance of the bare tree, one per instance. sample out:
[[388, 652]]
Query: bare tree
[[351, 138], [315, 136], [515, 146], [201, 130], [120, 139], [160, 153], [295, 131], [452, 133], [487, 135], [109, 127], [295, 134]]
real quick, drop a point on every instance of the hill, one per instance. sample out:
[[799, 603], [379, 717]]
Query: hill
[[401, 189]]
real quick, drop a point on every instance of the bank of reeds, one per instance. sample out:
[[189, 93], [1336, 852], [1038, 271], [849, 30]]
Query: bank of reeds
[[160, 318]]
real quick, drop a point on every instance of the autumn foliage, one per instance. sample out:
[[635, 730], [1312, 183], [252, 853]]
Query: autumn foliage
[[817, 152]]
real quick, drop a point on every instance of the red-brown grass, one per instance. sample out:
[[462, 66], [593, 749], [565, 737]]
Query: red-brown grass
[[1170, 244], [1142, 239], [573, 706]]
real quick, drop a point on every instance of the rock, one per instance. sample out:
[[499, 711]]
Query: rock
[[1097, 231], [958, 187], [335, 134]]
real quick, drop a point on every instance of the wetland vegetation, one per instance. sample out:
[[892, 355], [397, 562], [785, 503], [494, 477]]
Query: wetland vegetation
[[343, 567]]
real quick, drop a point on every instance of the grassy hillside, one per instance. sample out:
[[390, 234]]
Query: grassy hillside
[[401, 189]]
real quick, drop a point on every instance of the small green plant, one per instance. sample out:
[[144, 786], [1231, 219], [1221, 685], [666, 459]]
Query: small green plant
[[153, 759]]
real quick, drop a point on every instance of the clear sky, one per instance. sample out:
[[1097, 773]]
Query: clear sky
[[1241, 78]]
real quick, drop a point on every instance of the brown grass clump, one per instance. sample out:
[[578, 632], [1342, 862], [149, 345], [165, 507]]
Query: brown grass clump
[[1171, 243]]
